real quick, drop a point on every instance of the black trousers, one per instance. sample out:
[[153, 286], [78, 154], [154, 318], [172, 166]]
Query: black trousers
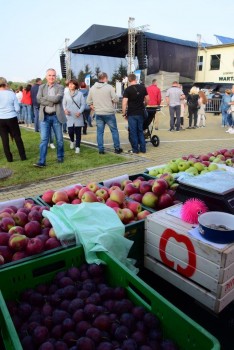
[[10, 127], [75, 131]]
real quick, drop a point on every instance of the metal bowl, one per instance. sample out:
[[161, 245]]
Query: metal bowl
[[217, 226]]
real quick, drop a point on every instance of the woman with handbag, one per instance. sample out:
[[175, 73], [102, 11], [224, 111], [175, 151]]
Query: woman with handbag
[[74, 105]]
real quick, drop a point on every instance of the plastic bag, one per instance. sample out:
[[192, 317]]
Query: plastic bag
[[95, 226]]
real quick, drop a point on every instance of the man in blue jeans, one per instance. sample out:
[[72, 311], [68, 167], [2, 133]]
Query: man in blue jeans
[[135, 98], [101, 99], [51, 116]]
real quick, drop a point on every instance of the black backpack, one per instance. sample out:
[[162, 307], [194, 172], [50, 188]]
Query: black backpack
[[193, 101]]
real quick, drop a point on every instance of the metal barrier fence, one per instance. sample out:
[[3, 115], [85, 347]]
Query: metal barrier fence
[[213, 105]]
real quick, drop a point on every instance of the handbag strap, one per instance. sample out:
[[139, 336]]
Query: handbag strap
[[75, 102]]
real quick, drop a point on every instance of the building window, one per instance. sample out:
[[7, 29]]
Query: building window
[[215, 62], [199, 63]]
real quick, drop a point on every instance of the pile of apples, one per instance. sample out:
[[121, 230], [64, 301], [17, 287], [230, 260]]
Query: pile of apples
[[114, 196], [197, 164], [25, 232]]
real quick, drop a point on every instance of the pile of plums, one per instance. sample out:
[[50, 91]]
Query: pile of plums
[[79, 310]]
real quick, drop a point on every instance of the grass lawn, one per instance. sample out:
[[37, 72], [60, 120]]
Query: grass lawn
[[24, 172]]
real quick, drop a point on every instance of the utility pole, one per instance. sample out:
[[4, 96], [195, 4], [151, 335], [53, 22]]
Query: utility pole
[[132, 32]]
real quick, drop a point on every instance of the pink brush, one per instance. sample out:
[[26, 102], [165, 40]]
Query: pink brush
[[191, 209]]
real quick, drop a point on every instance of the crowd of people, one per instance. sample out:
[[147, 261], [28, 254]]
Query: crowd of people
[[54, 110]]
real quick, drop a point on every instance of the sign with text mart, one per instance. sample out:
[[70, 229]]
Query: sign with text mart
[[203, 270]]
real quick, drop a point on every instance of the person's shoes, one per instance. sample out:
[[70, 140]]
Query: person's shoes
[[90, 125], [177, 130], [171, 130], [60, 161], [118, 150], [228, 130], [10, 160], [64, 131], [24, 158], [101, 152], [39, 165], [203, 126], [231, 132], [155, 128], [142, 151], [77, 150], [72, 145], [133, 152], [84, 133], [189, 127], [52, 146]]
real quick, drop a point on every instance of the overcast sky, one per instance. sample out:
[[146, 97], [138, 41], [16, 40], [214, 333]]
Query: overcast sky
[[33, 32]]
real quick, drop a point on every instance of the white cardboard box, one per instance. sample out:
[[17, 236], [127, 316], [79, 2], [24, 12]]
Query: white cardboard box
[[200, 268]]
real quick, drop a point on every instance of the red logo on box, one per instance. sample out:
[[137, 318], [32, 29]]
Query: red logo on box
[[191, 267]]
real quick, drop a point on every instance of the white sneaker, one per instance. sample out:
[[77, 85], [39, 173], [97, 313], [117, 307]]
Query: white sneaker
[[72, 145], [77, 150], [231, 132], [228, 130], [52, 146]]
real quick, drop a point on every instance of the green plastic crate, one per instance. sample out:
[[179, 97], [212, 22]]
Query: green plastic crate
[[176, 325]]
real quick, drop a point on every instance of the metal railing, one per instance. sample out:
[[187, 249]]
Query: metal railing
[[213, 105]]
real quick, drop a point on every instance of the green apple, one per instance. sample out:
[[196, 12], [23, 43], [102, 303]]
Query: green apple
[[173, 166], [192, 171], [167, 170], [229, 162], [154, 172], [212, 167], [211, 158], [199, 166], [204, 171], [178, 160], [183, 165]]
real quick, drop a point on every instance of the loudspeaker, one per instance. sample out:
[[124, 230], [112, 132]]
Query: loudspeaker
[[63, 65], [142, 51]]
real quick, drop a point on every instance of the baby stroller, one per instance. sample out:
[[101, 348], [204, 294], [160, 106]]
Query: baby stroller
[[148, 130], [148, 126]]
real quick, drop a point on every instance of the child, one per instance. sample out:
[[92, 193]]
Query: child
[[201, 117]]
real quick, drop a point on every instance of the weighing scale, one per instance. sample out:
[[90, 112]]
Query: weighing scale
[[215, 188]]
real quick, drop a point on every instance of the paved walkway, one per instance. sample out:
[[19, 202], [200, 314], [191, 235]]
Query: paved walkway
[[172, 145]]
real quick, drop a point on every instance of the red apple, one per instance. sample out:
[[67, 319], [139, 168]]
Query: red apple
[[7, 223], [137, 182], [89, 196], [7, 210], [52, 243], [34, 246], [135, 207], [76, 201], [4, 238], [117, 196], [159, 186], [18, 242], [150, 199], [60, 196], [125, 182], [34, 215], [6, 252], [119, 212], [47, 196], [77, 189], [111, 203], [130, 188], [45, 222], [23, 210], [82, 191], [20, 218], [32, 229], [142, 215], [144, 187], [16, 229], [4, 214], [164, 201], [19, 255], [136, 197], [61, 203], [114, 188], [103, 193], [128, 215], [93, 186], [29, 203], [71, 192]]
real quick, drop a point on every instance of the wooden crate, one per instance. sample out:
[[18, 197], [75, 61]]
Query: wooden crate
[[203, 270]]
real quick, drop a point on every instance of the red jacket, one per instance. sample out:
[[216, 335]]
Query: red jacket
[[26, 99], [154, 95]]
